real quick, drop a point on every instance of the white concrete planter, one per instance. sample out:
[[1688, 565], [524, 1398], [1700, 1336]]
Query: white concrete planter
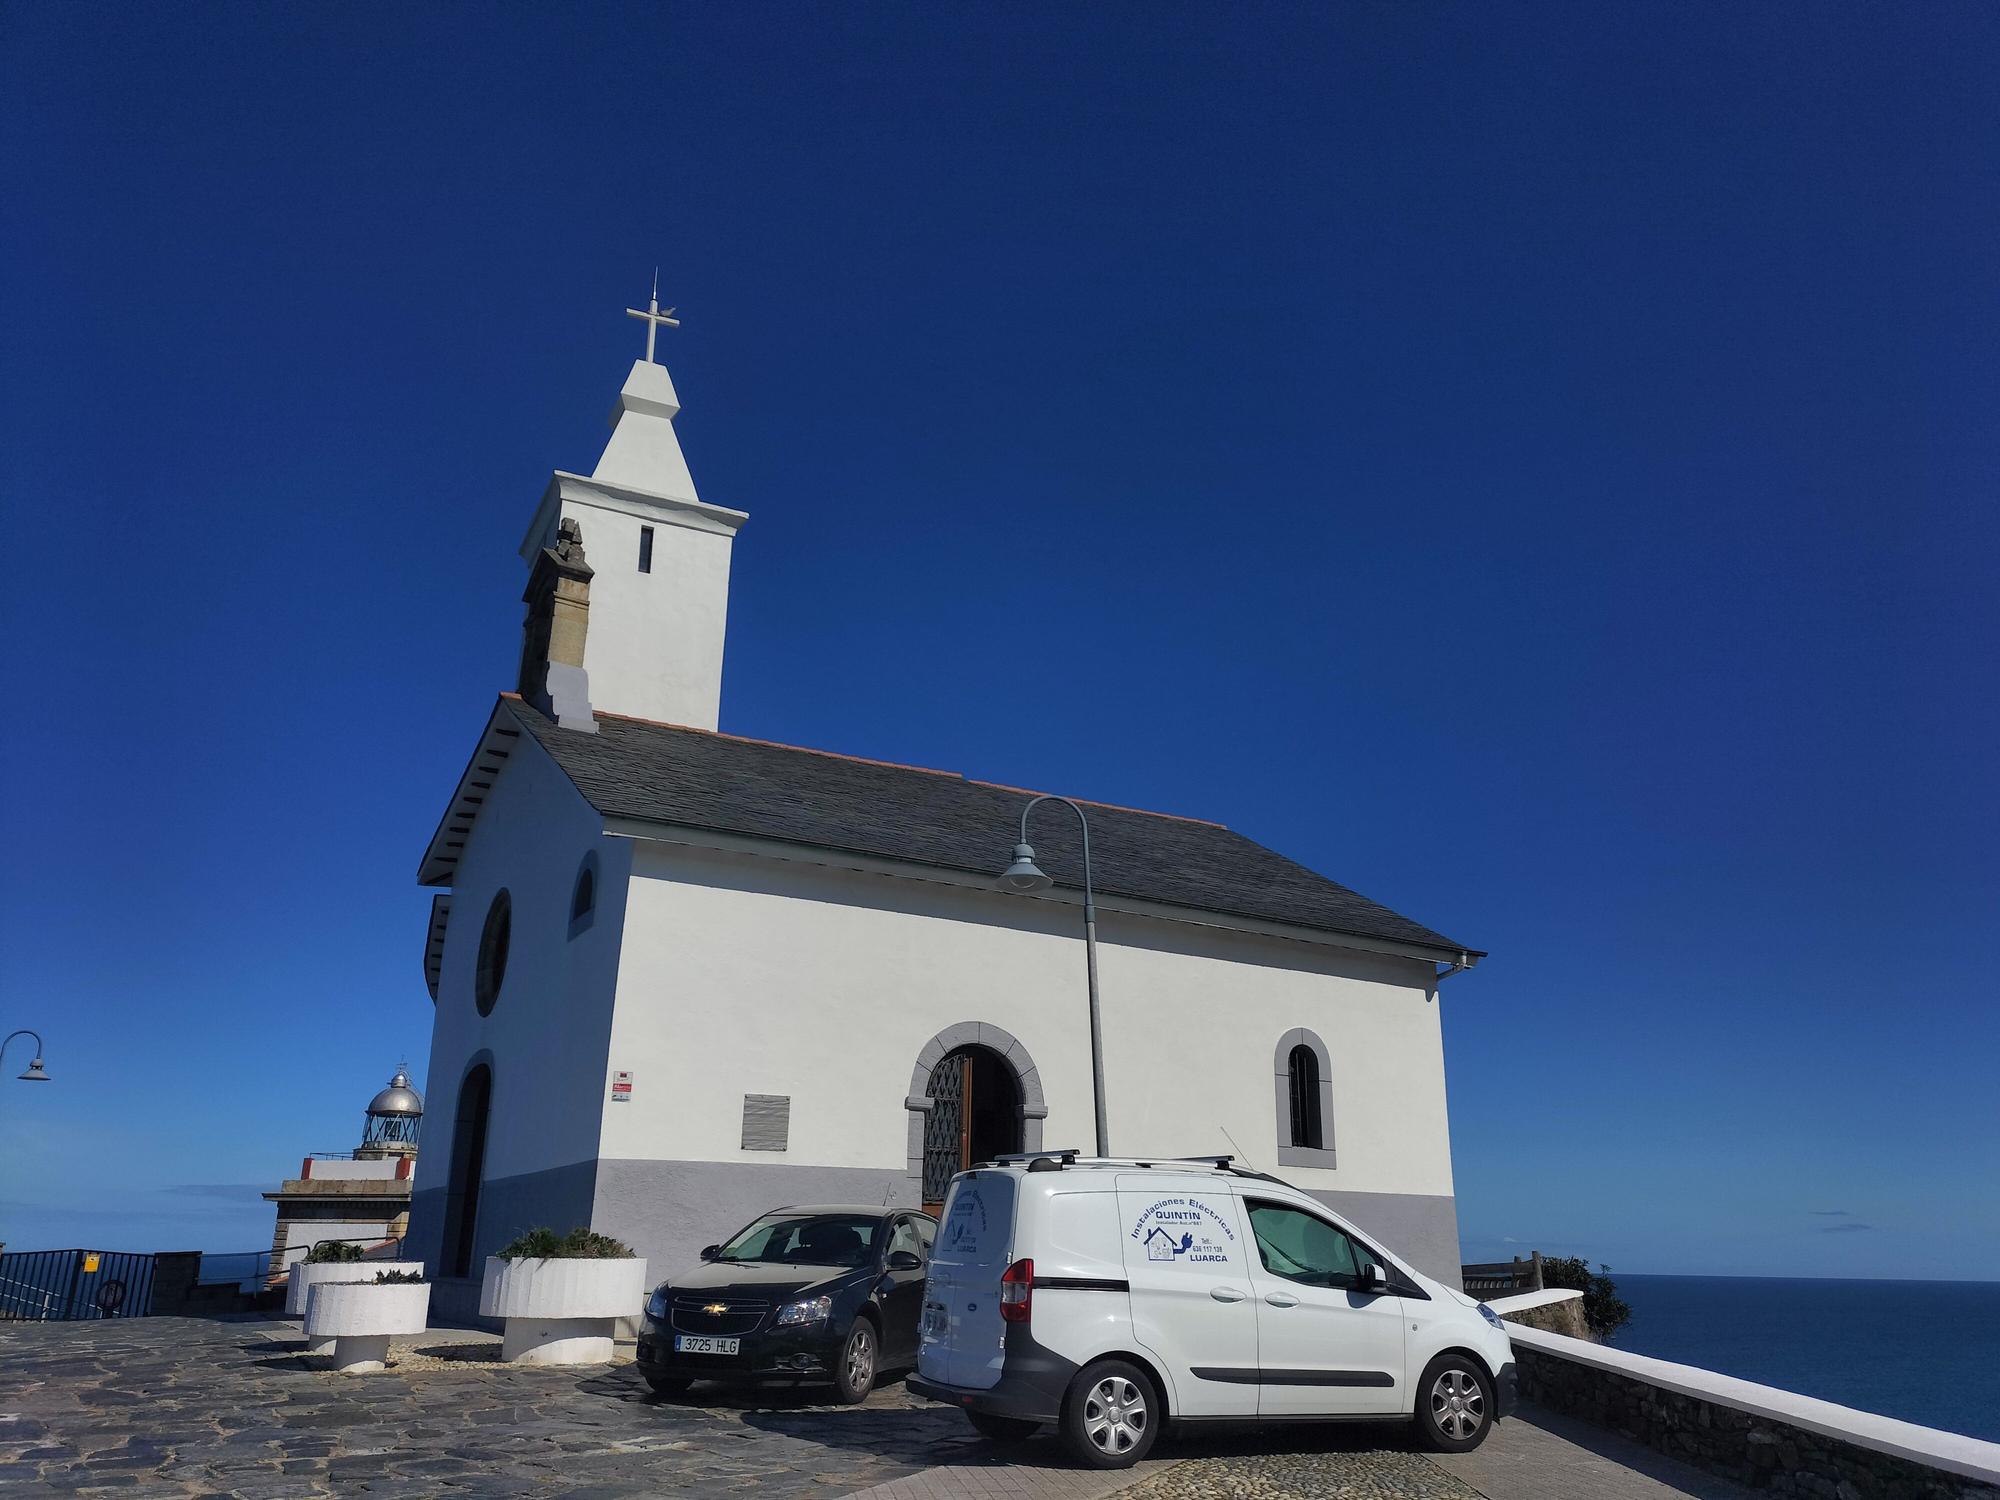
[[560, 1311], [360, 1317], [302, 1278]]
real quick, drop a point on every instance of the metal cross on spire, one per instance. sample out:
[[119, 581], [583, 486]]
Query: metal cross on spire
[[653, 318]]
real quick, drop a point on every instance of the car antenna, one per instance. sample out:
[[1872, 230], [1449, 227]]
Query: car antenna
[[1240, 1154]]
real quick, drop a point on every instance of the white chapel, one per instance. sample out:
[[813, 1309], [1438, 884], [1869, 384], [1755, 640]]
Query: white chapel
[[682, 976]]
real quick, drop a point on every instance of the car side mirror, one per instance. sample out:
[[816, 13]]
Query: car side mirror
[[710, 1252], [903, 1260], [1370, 1278]]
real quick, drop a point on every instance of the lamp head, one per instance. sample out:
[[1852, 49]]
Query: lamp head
[[1024, 874], [35, 1073]]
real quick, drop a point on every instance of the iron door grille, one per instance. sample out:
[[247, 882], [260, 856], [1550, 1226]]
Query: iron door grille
[[944, 1128]]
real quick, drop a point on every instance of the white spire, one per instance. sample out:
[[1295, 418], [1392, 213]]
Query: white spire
[[644, 454]]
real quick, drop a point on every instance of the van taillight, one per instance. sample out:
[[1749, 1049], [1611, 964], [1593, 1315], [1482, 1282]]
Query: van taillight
[[1017, 1290]]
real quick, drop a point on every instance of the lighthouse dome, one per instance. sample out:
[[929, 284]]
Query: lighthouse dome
[[398, 1098]]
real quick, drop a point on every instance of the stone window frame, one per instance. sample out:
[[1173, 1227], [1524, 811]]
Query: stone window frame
[[1304, 1156], [587, 869], [995, 1039]]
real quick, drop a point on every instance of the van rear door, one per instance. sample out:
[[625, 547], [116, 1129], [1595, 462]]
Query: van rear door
[[963, 1335]]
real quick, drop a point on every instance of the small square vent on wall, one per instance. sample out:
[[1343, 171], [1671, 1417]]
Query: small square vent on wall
[[767, 1121]]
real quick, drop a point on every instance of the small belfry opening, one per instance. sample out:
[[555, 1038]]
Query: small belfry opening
[[975, 1116]]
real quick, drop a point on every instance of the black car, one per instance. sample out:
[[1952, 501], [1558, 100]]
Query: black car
[[811, 1295]]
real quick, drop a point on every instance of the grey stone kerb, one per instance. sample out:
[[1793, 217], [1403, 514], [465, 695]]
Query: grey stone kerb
[[1304, 1156], [995, 1039]]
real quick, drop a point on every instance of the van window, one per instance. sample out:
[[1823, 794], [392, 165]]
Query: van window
[[1300, 1247], [978, 1222]]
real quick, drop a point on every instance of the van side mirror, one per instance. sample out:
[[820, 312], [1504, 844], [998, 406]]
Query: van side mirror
[[710, 1252], [903, 1260]]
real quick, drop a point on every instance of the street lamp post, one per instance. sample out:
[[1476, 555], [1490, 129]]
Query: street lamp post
[[1024, 875], [34, 1073]]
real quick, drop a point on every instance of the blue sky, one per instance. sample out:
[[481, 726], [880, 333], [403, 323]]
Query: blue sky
[[1535, 464]]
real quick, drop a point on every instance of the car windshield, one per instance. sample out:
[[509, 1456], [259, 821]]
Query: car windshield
[[806, 1240]]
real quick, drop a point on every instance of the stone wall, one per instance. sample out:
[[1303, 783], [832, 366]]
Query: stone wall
[[1564, 1317], [1751, 1448]]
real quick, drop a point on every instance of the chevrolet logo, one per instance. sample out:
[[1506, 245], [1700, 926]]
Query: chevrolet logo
[[716, 1309]]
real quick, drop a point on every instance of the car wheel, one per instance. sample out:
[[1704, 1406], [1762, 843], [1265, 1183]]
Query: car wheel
[[669, 1385], [1002, 1429], [1111, 1415], [854, 1373], [1454, 1405]]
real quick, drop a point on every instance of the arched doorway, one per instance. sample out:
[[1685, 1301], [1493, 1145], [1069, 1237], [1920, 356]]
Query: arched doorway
[[975, 1115], [468, 1165]]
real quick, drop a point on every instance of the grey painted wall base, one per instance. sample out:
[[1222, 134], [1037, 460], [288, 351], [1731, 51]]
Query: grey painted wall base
[[1422, 1229], [560, 1197], [667, 1210]]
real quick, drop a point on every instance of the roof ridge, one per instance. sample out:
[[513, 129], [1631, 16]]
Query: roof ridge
[[893, 765], [746, 739], [1144, 812]]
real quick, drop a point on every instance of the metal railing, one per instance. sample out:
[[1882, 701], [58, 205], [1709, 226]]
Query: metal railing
[[66, 1285], [1503, 1278]]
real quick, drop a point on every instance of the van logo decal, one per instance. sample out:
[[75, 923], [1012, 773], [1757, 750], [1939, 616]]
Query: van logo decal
[[1186, 1230], [967, 1225]]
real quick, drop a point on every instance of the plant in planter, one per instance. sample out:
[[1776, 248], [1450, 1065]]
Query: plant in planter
[[333, 1260], [361, 1315], [561, 1295]]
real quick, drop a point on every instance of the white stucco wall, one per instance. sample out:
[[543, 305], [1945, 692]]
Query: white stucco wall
[[751, 975], [654, 647], [547, 1033], [370, 1170]]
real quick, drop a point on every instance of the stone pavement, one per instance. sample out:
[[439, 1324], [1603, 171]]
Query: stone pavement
[[1543, 1455], [183, 1407]]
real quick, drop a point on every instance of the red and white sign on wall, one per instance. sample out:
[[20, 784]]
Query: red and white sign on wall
[[621, 1087]]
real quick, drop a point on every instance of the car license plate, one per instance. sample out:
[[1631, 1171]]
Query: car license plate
[[690, 1343]]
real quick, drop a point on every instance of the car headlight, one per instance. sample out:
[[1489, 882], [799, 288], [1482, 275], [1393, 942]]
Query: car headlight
[[809, 1310], [1491, 1316], [656, 1305]]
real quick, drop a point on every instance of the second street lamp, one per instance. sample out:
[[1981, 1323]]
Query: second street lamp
[[34, 1073], [1024, 876]]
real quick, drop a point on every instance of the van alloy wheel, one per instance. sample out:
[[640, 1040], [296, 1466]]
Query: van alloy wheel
[[1115, 1415], [1458, 1405]]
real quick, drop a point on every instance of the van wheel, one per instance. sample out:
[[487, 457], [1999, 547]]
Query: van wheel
[[1002, 1429], [854, 1371], [1454, 1405], [1111, 1415]]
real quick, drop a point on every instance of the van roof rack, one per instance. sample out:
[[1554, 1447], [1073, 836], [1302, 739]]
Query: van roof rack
[[1071, 1156]]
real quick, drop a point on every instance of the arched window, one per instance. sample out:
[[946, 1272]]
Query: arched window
[[583, 898], [1304, 1100], [1303, 1081], [493, 941]]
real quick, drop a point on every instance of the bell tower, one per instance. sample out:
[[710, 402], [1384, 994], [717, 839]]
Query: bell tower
[[659, 556]]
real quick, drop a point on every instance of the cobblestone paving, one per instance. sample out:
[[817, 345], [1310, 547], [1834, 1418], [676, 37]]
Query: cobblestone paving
[[1301, 1463], [182, 1406]]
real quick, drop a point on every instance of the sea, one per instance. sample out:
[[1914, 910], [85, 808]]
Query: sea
[[1925, 1351]]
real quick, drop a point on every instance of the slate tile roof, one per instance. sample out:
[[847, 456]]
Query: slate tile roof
[[694, 778]]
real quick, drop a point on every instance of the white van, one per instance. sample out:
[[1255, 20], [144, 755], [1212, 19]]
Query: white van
[[1111, 1296]]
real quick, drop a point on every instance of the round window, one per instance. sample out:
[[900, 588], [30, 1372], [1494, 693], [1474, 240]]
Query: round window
[[493, 953]]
